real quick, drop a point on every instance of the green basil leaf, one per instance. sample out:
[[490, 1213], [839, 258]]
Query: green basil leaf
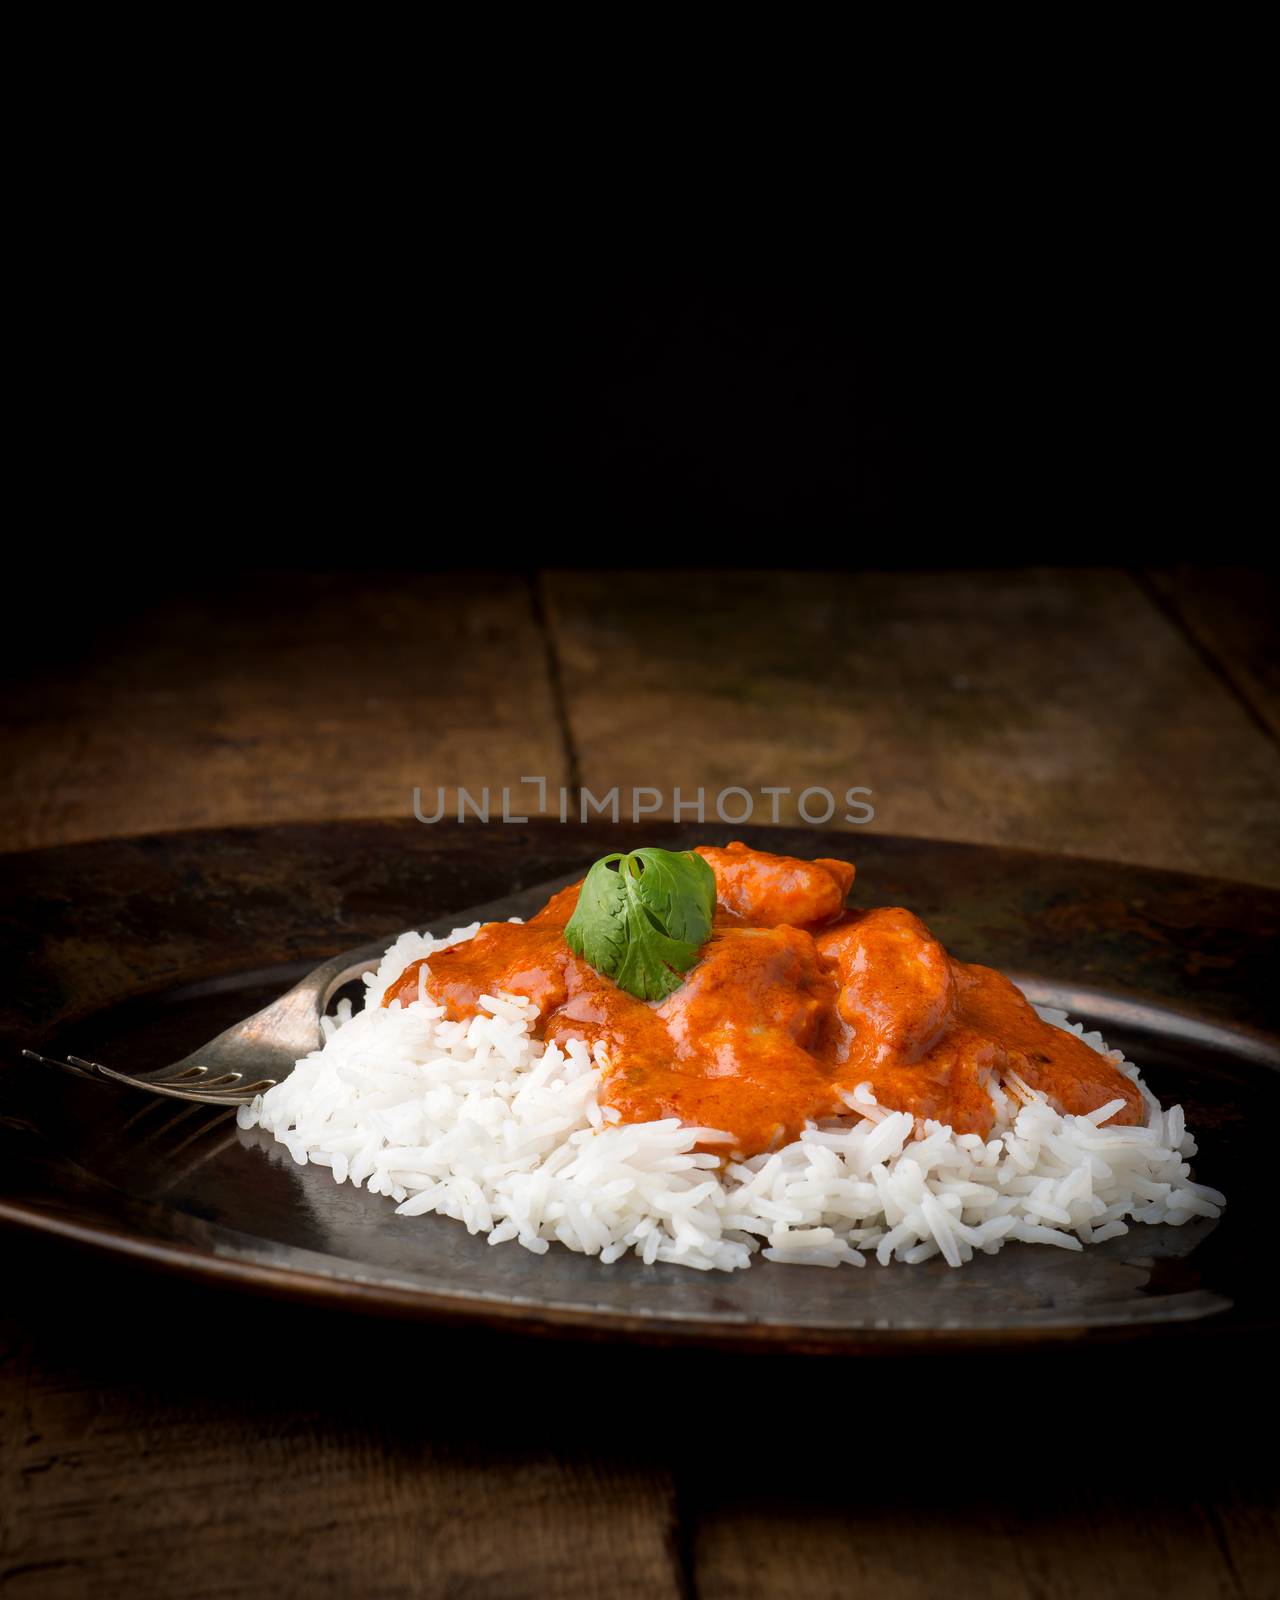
[[641, 919]]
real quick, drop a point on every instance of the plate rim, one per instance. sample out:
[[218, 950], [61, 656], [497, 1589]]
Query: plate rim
[[337, 1293]]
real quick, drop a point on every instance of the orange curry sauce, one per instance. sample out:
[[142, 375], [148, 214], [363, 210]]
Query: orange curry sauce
[[793, 999]]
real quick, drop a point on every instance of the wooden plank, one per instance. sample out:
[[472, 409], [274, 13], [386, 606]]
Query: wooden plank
[[1044, 708], [1058, 1475], [1234, 616], [1003, 1547], [1246, 1522], [201, 1446], [288, 698]]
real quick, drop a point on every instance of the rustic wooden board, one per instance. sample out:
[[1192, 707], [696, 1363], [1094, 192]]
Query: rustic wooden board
[[1054, 709], [1233, 616], [284, 698], [170, 1442], [1046, 708], [136, 1460], [1070, 1525]]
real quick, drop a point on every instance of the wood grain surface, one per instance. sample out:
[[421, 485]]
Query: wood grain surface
[[1058, 710], [244, 1449], [161, 1439], [1091, 711], [285, 699], [158, 1438], [1231, 616]]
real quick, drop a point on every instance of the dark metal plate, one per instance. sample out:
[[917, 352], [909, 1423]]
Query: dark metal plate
[[143, 965]]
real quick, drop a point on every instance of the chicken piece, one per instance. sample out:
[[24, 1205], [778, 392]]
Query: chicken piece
[[948, 1083], [752, 988], [1057, 1063], [742, 1045], [768, 891], [897, 988]]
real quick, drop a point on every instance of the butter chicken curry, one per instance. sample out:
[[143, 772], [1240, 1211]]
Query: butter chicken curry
[[793, 1000]]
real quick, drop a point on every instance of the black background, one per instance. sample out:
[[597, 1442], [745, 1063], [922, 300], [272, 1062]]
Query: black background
[[1056, 404]]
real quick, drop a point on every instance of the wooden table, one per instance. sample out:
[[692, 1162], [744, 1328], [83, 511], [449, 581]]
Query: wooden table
[[1101, 712]]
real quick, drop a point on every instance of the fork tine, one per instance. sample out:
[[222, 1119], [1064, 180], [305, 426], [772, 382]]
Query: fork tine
[[274, 1038], [78, 1068], [218, 1093]]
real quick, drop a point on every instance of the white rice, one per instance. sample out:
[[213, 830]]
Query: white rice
[[481, 1122]]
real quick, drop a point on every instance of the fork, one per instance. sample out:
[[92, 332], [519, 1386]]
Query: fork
[[253, 1056]]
